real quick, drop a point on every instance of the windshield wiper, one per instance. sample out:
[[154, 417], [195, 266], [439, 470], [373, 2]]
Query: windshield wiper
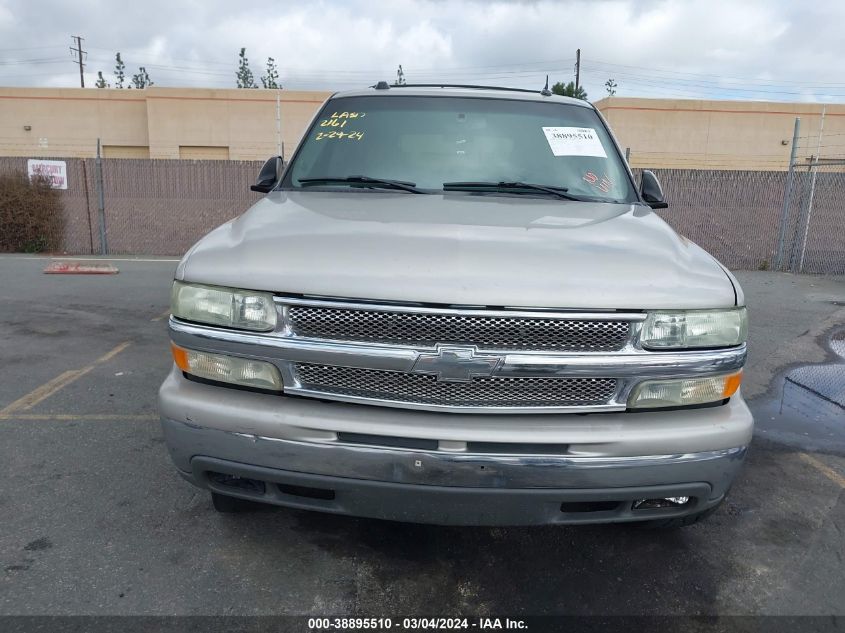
[[560, 192], [366, 180]]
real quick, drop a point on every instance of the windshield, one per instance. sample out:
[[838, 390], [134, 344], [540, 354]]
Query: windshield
[[429, 141]]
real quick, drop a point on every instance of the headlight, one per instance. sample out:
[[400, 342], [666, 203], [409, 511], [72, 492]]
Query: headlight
[[694, 328], [229, 307], [231, 369], [678, 393]]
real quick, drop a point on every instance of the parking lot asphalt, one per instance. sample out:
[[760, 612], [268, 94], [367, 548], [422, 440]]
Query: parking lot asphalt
[[96, 521]]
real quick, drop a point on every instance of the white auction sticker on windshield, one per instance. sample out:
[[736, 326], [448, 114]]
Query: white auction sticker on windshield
[[574, 141]]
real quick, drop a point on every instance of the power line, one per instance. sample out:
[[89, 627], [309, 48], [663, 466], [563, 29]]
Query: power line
[[365, 75], [518, 67], [28, 48], [651, 70], [513, 67], [707, 84], [682, 83], [40, 60], [28, 75], [80, 53]]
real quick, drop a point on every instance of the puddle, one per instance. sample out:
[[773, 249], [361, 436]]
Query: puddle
[[809, 410]]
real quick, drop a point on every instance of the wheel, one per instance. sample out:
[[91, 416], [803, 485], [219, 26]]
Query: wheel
[[678, 522], [230, 505]]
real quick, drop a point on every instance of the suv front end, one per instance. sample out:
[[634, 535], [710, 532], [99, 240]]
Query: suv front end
[[387, 362]]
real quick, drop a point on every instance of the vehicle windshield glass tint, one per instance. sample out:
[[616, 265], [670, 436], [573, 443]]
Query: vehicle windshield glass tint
[[434, 140]]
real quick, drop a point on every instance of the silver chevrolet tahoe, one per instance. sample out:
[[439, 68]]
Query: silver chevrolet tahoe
[[455, 306]]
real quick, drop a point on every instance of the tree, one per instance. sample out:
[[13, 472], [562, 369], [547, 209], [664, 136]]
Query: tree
[[569, 90], [400, 76], [119, 71], [244, 74], [141, 79], [271, 79], [610, 86], [101, 82]]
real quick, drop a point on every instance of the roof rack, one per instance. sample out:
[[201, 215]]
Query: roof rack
[[465, 86]]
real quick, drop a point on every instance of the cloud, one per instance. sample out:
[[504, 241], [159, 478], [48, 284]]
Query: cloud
[[773, 49], [7, 21]]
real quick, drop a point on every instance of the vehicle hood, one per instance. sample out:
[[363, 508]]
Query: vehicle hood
[[457, 248]]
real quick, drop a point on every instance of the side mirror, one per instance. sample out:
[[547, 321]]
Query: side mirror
[[269, 175], [651, 191]]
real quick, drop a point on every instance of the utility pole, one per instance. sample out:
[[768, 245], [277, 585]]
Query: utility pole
[[78, 50], [577, 69]]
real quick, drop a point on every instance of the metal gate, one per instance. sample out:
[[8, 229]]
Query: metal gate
[[813, 221]]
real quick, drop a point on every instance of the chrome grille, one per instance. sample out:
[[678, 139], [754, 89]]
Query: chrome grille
[[479, 392], [430, 328]]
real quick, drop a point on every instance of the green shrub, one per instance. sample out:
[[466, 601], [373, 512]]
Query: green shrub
[[31, 215]]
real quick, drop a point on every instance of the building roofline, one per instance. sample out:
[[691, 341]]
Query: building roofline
[[681, 104]]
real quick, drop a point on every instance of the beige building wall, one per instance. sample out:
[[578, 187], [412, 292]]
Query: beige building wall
[[244, 121], [219, 124], [125, 151], [697, 134], [204, 152], [44, 122], [152, 123]]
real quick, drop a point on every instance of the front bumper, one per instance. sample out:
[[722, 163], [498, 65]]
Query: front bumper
[[291, 447]]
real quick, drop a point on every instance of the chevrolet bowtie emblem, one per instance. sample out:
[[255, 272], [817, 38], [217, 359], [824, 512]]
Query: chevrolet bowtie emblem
[[455, 364]]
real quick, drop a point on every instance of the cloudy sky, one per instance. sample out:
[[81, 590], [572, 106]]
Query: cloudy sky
[[749, 49]]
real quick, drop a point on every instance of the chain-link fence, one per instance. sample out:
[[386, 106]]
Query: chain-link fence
[[151, 207], [733, 215], [814, 221], [161, 207]]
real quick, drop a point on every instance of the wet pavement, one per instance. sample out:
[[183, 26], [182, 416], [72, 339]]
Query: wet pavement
[[807, 411], [827, 381]]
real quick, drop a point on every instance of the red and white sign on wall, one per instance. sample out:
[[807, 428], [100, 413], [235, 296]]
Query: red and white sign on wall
[[55, 170]]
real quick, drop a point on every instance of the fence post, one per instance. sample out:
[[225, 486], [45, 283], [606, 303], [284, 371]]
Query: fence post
[[101, 202], [278, 122], [787, 195], [812, 193], [87, 205]]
